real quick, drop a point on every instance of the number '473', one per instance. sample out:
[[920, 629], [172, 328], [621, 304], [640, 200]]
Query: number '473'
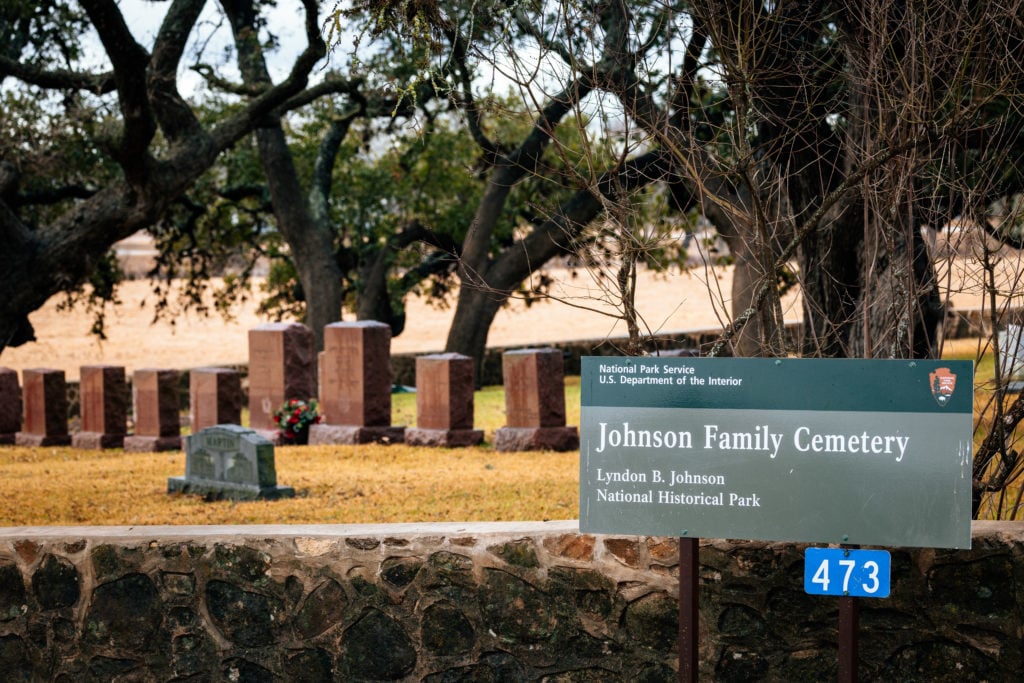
[[839, 571]]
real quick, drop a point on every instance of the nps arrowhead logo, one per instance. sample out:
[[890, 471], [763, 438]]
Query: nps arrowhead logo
[[943, 383]]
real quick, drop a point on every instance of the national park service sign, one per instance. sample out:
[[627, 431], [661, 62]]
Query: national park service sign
[[872, 452]]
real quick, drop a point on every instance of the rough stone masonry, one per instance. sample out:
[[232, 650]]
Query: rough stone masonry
[[472, 602]]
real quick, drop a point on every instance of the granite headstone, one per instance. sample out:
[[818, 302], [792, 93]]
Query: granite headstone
[[282, 366], [10, 406], [45, 399], [444, 402], [215, 397], [103, 393], [156, 405], [229, 461], [534, 382], [355, 386]]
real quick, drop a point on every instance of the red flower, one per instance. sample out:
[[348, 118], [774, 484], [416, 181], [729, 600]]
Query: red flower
[[294, 418]]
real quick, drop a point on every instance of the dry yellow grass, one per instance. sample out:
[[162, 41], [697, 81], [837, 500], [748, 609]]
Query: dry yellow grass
[[334, 484]]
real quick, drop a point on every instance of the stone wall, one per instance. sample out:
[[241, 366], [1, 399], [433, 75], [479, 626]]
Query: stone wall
[[477, 602], [403, 365]]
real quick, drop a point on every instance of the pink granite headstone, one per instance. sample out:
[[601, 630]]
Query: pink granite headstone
[[103, 393], [444, 402], [215, 397], [45, 399], [10, 406], [355, 385], [535, 403], [156, 404], [282, 366]]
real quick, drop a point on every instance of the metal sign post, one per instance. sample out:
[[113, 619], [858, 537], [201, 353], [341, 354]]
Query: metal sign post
[[849, 638], [689, 609]]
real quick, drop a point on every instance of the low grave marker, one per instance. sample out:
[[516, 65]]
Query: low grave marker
[[104, 400], [534, 382], [155, 406], [215, 397], [10, 406], [444, 402], [228, 461], [45, 399]]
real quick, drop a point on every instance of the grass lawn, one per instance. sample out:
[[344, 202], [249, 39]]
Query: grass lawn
[[334, 484]]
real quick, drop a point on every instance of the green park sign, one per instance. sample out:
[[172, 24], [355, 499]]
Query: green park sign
[[872, 452]]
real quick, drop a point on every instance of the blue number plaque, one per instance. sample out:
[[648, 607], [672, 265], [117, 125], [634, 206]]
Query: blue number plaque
[[844, 572]]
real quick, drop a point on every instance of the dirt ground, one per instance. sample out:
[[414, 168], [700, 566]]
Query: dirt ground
[[668, 303]]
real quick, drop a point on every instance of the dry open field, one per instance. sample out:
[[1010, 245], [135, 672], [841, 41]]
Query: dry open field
[[668, 303], [581, 309]]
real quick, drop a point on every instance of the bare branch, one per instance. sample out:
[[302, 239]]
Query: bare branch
[[130, 61], [58, 79], [173, 113]]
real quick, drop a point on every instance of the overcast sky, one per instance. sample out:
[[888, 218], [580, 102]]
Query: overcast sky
[[213, 37]]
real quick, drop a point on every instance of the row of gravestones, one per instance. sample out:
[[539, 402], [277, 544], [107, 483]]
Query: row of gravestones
[[354, 392]]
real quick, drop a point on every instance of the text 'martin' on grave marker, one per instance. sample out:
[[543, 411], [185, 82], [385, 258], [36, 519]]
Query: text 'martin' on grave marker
[[872, 452], [228, 461]]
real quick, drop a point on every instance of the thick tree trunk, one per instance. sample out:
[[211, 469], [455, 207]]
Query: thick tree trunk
[[830, 282], [899, 314], [311, 241], [39, 263], [490, 284], [312, 245], [751, 265], [374, 300], [488, 280], [746, 278], [474, 315]]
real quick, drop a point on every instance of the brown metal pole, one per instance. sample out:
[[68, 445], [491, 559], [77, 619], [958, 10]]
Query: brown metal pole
[[689, 584], [849, 620], [849, 634]]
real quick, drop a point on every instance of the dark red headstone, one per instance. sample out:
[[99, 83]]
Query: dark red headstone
[[10, 405], [355, 385], [45, 399], [535, 403], [282, 366], [156, 405], [103, 393], [215, 397], [444, 402]]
